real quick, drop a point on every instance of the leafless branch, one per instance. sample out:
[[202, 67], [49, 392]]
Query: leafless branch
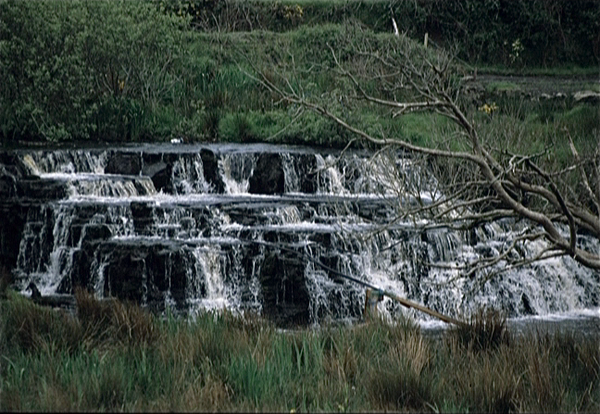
[[505, 185]]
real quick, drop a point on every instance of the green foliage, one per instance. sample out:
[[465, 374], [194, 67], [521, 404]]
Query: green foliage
[[119, 118], [236, 128], [84, 69], [515, 34], [132, 71], [581, 120]]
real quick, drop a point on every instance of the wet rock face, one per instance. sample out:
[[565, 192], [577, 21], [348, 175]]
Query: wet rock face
[[80, 275], [8, 186], [160, 174], [124, 277], [13, 165], [142, 217], [211, 170], [268, 176], [307, 165], [13, 214], [89, 236], [286, 299], [124, 164], [160, 169], [38, 189], [11, 227], [149, 273]]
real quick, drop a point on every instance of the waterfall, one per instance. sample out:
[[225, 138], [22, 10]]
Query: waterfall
[[236, 170], [330, 180], [176, 227], [188, 175]]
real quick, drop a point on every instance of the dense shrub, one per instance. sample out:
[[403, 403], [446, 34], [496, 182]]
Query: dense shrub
[[84, 69]]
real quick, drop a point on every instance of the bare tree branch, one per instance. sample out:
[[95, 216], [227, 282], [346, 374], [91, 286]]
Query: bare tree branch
[[504, 184]]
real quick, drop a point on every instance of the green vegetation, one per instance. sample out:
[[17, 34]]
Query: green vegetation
[[514, 34], [150, 71], [140, 75], [117, 357], [558, 70], [85, 70]]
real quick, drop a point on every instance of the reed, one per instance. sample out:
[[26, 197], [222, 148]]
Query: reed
[[485, 330], [117, 357]]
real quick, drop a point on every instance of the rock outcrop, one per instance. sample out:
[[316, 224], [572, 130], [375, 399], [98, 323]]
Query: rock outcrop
[[124, 163], [268, 176], [211, 170]]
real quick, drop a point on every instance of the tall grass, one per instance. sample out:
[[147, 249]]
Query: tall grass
[[116, 357]]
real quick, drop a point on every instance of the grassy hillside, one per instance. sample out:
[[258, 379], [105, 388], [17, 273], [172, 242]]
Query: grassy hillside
[[150, 71], [516, 33]]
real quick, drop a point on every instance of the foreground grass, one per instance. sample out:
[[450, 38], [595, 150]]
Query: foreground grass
[[116, 357]]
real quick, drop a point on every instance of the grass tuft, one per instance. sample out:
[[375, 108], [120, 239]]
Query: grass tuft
[[114, 321], [401, 379], [486, 330], [32, 328]]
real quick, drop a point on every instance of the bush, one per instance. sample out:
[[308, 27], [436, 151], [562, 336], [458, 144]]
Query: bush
[[84, 69], [514, 34]]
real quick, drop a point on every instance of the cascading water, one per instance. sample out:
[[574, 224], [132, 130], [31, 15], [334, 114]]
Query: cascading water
[[180, 226], [236, 170]]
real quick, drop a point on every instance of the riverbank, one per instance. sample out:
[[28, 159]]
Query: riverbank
[[66, 83], [117, 357]]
